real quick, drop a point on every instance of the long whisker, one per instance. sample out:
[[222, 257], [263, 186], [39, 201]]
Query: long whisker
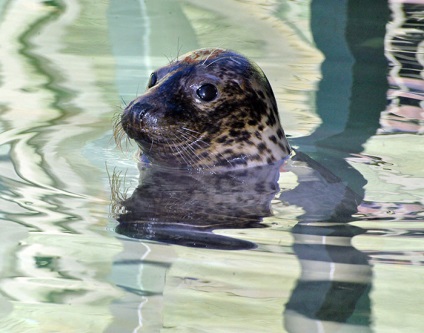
[[179, 47], [118, 131], [210, 54], [193, 140], [189, 147], [196, 142], [186, 150], [222, 58], [190, 130], [176, 151]]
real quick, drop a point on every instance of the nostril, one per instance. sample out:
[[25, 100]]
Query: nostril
[[137, 111], [134, 119]]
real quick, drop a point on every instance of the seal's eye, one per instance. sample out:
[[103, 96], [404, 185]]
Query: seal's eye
[[207, 92], [152, 81]]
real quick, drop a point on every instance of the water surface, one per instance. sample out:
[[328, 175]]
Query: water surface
[[348, 77]]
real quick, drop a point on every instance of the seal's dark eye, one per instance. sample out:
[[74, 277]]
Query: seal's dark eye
[[207, 92], [152, 81]]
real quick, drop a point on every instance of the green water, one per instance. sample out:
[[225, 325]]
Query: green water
[[347, 76]]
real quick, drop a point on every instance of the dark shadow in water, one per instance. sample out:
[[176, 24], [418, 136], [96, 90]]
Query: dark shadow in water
[[333, 289], [336, 278], [352, 92]]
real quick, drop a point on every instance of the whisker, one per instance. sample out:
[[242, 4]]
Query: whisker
[[137, 91], [196, 142], [193, 139], [222, 58], [190, 130], [118, 132], [176, 151], [119, 190], [168, 58], [190, 156], [179, 47], [210, 54]]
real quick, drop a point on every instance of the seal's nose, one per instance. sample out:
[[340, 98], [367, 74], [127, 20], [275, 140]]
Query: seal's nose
[[137, 111], [131, 118]]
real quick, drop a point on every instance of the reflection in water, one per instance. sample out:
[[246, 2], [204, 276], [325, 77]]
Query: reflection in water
[[179, 207], [169, 204], [352, 92], [54, 264], [332, 292], [404, 47]]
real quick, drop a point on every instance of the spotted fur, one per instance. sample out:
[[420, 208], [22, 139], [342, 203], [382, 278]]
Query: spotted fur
[[239, 128]]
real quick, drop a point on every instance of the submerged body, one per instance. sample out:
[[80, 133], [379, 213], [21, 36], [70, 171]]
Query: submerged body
[[213, 109]]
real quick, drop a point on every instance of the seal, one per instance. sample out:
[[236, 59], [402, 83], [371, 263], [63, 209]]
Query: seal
[[213, 109]]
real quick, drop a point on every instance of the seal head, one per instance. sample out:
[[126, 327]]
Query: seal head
[[212, 109]]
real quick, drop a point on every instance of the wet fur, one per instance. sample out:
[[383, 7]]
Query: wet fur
[[240, 128]]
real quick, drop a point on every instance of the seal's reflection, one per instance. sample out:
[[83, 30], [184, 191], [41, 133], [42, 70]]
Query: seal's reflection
[[184, 208], [180, 207]]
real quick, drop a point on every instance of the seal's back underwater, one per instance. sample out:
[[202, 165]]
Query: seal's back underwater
[[212, 109]]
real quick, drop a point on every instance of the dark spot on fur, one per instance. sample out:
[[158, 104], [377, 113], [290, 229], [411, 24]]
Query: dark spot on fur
[[252, 122], [273, 138], [245, 135], [234, 133], [262, 147], [271, 121], [258, 135], [221, 139], [203, 154], [212, 129], [280, 133], [206, 140], [238, 124]]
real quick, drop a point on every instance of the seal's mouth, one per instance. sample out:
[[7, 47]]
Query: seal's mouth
[[145, 124], [150, 136]]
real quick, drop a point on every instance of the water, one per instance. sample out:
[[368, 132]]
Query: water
[[348, 76]]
